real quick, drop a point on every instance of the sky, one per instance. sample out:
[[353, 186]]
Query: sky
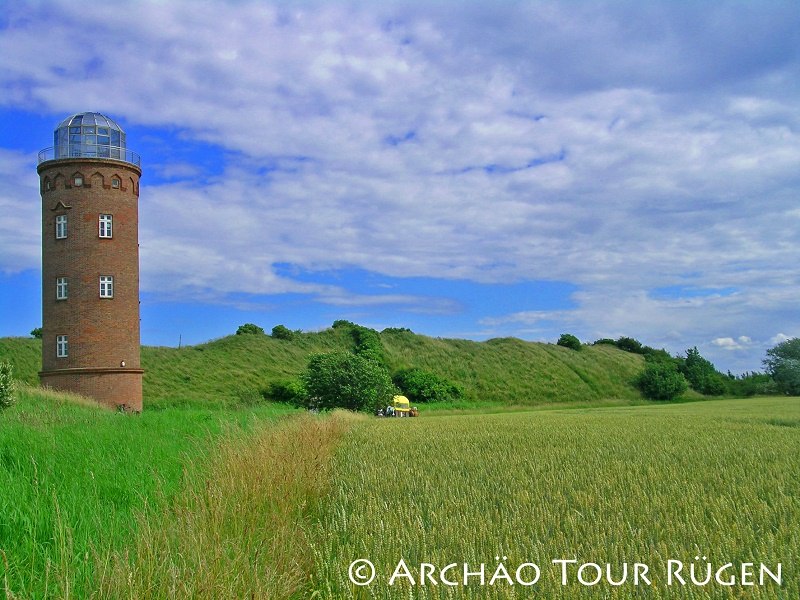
[[464, 169]]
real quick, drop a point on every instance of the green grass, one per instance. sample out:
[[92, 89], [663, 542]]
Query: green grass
[[605, 485], [201, 503], [90, 498], [240, 527], [74, 477], [25, 355], [231, 371], [513, 372]]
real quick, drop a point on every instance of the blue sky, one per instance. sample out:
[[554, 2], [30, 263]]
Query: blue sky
[[465, 169]]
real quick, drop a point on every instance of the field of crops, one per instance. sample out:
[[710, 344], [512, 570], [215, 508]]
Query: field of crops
[[673, 488], [189, 503]]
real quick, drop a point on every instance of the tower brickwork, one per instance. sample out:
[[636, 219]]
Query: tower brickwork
[[90, 264]]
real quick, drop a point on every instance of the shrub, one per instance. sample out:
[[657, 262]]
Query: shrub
[[281, 332], [345, 380], [367, 341], [569, 341], [249, 329], [701, 374], [629, 344], [369, 344], [6, 385], [653, 355], [423, 386], [36, 332], [661, 381], [289, 391], [751, 384], [397, 330]]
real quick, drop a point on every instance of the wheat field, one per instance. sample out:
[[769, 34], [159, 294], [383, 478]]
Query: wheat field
[[611, 487]]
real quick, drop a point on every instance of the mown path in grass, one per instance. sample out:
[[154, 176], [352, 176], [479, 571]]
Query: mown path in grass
[[239, 528], [643, 484]]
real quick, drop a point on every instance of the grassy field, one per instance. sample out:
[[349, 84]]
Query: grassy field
[[211, 493], [649, 484], [232, 370], [76, 480], [188, 503]]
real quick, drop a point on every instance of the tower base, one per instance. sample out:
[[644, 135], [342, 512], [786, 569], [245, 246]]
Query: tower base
[[117, 388]]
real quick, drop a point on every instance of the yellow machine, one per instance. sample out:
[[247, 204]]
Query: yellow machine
[[401, 407]]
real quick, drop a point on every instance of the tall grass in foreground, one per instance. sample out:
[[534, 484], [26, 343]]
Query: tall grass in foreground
[[643, 484], [238, 529], [74, 476]]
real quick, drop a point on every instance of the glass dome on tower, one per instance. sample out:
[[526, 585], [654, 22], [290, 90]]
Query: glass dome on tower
[[89, 135]]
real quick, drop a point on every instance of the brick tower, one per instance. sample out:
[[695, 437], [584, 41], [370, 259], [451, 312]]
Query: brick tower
[[89, 183]]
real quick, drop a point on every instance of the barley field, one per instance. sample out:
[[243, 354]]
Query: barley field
[[714, 483]]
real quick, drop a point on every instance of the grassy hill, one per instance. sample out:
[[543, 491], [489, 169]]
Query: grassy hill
[[233, 369]]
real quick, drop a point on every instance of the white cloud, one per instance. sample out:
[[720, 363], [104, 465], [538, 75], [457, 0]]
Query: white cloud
[[779, 338], [20, 213], [728, 343]]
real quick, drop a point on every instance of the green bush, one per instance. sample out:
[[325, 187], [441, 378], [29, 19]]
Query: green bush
[[248, 329], [281, 332], [369, 344], [367, 341], [346, 380], [629, 344], [661, 381], [6, 385], [289, 391], [653, 355], [36, 332], [423, 386], [634, 346], [702, 375], [397, 330], [752, 384], [569, 341]]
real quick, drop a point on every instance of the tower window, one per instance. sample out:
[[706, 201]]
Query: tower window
[[106, 226], [106, 286], [61, 288], [62, 346], [61, 227], [78, 181], [115, 183]]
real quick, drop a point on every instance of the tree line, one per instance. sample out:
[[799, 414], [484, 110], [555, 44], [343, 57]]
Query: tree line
[[666, 377]]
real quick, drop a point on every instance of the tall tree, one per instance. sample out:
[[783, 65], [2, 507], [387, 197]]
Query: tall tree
[[345, 380], [783, 364]]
